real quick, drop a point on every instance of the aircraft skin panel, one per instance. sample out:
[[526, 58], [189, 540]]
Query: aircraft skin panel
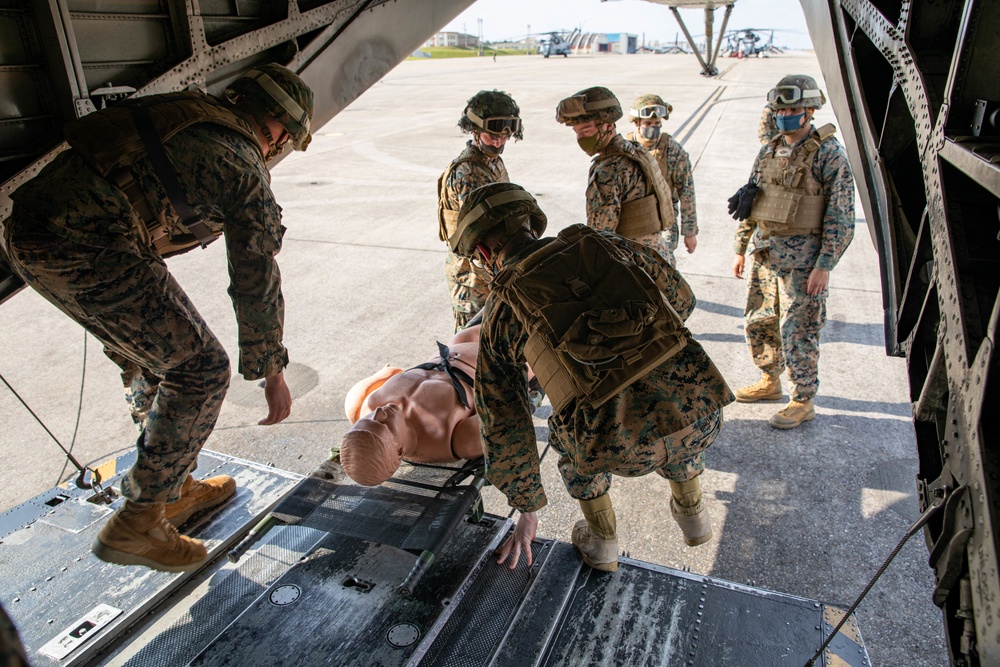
[[919, 82], [692, 4]]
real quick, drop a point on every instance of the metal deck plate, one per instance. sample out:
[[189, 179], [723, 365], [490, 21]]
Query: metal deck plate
[[50, 580]]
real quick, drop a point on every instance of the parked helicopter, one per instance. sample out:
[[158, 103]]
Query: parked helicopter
[[557, 43], [750, 42]]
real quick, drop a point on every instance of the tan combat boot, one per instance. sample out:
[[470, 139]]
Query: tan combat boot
[[595, 535], [139, 534], [199, 495], [767, 388], [689, 511], [793, 414]]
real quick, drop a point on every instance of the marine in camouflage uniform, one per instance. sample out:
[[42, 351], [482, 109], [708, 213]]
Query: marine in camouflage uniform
[[662, 422], [11, 650], [648, 113], [478, 164], [90, 238], [617, 177], [766, 129], [789, 272]]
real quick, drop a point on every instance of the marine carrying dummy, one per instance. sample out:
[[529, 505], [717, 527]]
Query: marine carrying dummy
[[790, 201], [596, 321]]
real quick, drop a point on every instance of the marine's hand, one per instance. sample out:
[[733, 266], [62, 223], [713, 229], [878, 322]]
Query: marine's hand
[[519, 540], [738, 263], [690, 242], [818, 280], [279, 399]]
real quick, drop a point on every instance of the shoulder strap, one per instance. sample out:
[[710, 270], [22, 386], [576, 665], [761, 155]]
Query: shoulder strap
[[168, 175]]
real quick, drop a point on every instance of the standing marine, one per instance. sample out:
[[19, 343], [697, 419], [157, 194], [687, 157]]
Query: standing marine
[[626, 191], [145, 179], [600, 321], [492, 118], [648, 113], [797, 226]]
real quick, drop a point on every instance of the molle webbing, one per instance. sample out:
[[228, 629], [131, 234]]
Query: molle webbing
[[596, 322], [791, 201], [655, 211], [639, 217]]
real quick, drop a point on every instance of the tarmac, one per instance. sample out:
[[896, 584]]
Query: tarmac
[[811, 512]]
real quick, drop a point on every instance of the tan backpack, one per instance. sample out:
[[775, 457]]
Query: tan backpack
[[596, 321]]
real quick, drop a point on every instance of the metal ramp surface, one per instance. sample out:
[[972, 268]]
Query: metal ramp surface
[[306, 597]]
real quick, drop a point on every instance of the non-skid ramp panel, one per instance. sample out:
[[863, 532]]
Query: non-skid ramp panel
[[410, 518], [340, 604], [569, 615], [66, 603]]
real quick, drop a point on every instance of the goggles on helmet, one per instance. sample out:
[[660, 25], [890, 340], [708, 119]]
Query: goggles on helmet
[[579, 106], [651, 111], [509, 125], [790, 94]]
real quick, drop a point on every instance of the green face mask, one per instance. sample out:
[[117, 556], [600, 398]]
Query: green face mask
[[589, 144]]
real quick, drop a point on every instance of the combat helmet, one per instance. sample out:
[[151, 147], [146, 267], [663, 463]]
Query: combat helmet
[[649, 106], [489, 206], [796, 90], [278, 92], [493, 111], [591, 104]]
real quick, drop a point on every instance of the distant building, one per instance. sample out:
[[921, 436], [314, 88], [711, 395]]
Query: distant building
[[454, 39], [600, 42]]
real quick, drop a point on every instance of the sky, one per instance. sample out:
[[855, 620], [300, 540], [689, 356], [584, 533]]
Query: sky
[[506, 19]]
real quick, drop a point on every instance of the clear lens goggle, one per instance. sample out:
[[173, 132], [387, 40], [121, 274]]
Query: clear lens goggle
[[509, 125], [790, 94], [653, 110]]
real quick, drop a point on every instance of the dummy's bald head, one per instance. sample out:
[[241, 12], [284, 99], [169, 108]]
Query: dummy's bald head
[[367, 458]]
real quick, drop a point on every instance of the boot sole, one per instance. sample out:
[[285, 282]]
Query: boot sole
[[785, 427], [698, 541], [603, 567], [183, 517], [750, 399], [116, 557]]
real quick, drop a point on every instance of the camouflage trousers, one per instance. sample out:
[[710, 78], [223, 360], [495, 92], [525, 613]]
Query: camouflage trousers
[[678, 457], [174, 369], [11, 650], [467, 288], [783, 323]]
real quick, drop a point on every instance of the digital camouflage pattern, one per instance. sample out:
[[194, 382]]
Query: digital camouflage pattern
[[71, 238], [783, 321], [645, 428], [675, 165], [12, 652], [468, 289], [615, 180], [766, 129]]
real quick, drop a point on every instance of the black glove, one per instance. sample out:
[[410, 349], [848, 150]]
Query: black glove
[[741, 202]]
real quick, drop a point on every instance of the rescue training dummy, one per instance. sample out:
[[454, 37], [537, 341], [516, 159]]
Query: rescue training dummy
[[425, 414], [143, 180], [600, 319]]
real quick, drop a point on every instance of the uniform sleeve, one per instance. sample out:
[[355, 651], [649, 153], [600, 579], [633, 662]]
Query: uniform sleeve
[[682, 181], [253, 233], [504, 415], [604, 197], [833, 171], [747, 227], [465, 178], [672, 284]]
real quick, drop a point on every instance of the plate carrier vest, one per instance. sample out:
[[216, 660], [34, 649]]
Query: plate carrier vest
[[596, 321], [110, 140], [653, 212], [447, 218], [790, 201]]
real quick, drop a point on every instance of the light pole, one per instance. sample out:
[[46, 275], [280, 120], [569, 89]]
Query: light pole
[[480, 36]]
